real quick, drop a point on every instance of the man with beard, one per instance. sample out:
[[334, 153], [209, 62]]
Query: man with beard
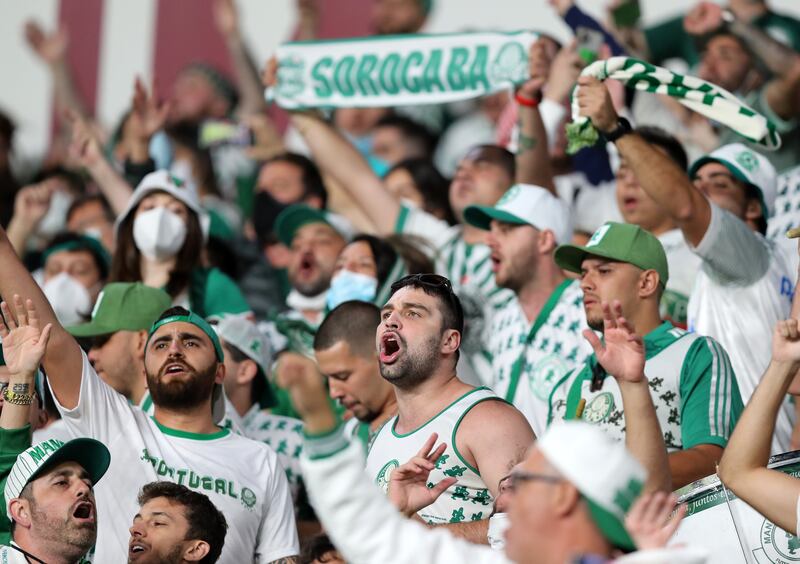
[[418, 341], [175, 525], [344, 347], [535, 338], [691, 381], [180, 443], [50, 501]]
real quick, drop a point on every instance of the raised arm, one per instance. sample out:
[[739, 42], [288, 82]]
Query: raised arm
[[656, 173], [62, 359], [533, 156], [622, 355], [51, 48], [743, 467], [251, 95], [338, 158], [86, 150]]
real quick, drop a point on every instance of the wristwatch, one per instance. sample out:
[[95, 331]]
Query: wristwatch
[[623, 128], [16, 398]]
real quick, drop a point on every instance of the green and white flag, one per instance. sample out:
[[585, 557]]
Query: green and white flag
[[696, 94], [399, 70]]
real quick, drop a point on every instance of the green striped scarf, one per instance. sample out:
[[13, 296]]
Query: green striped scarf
[[696, 94]]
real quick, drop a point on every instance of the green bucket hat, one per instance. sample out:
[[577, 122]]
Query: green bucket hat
[[622, 242], [124, 306]]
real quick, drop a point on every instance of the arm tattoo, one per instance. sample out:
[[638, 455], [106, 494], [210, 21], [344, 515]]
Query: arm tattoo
[[526, 143], [287, 560], [21, 388]]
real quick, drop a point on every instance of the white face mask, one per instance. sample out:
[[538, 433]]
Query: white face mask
[[70, 299], [55, 220], [159, 233]]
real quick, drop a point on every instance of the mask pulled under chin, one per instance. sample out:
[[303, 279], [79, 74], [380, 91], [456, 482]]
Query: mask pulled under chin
[[70, 299], [159, 233], [348, 285], [298, 302]]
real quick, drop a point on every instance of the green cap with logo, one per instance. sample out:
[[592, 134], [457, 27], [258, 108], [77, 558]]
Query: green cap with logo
[[92, 455], [622, 242], [124, 306]]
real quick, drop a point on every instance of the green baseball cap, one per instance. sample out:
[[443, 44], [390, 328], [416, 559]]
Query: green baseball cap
[[124, 306], [296, 216], [623, 242]]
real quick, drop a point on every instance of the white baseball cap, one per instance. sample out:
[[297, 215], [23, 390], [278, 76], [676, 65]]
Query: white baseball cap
[[163, 181], [602, 469], [525, 204], [92, 455], [749, 166], [240, 332]]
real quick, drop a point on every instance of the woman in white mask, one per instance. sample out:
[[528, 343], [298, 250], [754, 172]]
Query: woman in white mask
[[160, 240], [75, 269], [368, 265]]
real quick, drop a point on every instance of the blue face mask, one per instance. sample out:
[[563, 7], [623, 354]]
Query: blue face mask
[[348, 285]]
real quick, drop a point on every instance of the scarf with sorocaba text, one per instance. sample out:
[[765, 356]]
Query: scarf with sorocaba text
[[399, 70], [696, 94]]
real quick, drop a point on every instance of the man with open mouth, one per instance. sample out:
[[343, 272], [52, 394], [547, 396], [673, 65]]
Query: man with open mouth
[[50, 501], [174, 525], [418, 343]]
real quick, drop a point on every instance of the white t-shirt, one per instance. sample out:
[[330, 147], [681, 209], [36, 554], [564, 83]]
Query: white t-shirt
[[683, 266], [743, 289], [242, 477]]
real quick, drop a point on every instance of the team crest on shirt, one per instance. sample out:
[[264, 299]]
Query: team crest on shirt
[[777, 545], [599, 408], [248, 498], [546, 373], [382, 479]]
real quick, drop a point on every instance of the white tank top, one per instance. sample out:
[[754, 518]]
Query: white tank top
[[469, 499]]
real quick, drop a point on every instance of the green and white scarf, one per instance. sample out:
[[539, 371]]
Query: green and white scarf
[[696, 94], [399, 70]]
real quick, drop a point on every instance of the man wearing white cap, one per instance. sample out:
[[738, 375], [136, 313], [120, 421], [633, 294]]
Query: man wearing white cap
[[247, 363], [50, 501], [534, 338], [570, 495], [745, 283]]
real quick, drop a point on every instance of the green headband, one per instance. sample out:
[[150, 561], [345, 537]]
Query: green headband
[[195, 320], [82, 243]]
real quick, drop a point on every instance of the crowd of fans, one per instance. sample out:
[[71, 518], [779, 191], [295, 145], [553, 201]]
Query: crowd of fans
[[219, 336]]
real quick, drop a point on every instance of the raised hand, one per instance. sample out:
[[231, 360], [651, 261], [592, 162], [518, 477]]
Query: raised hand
[[24, 343], [147, 114], [594, 101], [84, 148], [621, 352], [226, 17], [306, 386], [269, 76], [786, 341], [408, 484], [32, 202], [703, 18], [539, 59], [50, 47], [651, 521], [565, 68]]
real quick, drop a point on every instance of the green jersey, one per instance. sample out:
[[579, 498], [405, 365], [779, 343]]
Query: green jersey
[[691, 382]]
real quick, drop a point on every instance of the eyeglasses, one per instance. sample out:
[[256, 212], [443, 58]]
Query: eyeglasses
[[518, 476]]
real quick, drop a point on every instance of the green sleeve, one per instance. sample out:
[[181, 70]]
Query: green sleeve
[[710, 400], [13, 442], [781, 27], [668, 40], [222, 295]]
